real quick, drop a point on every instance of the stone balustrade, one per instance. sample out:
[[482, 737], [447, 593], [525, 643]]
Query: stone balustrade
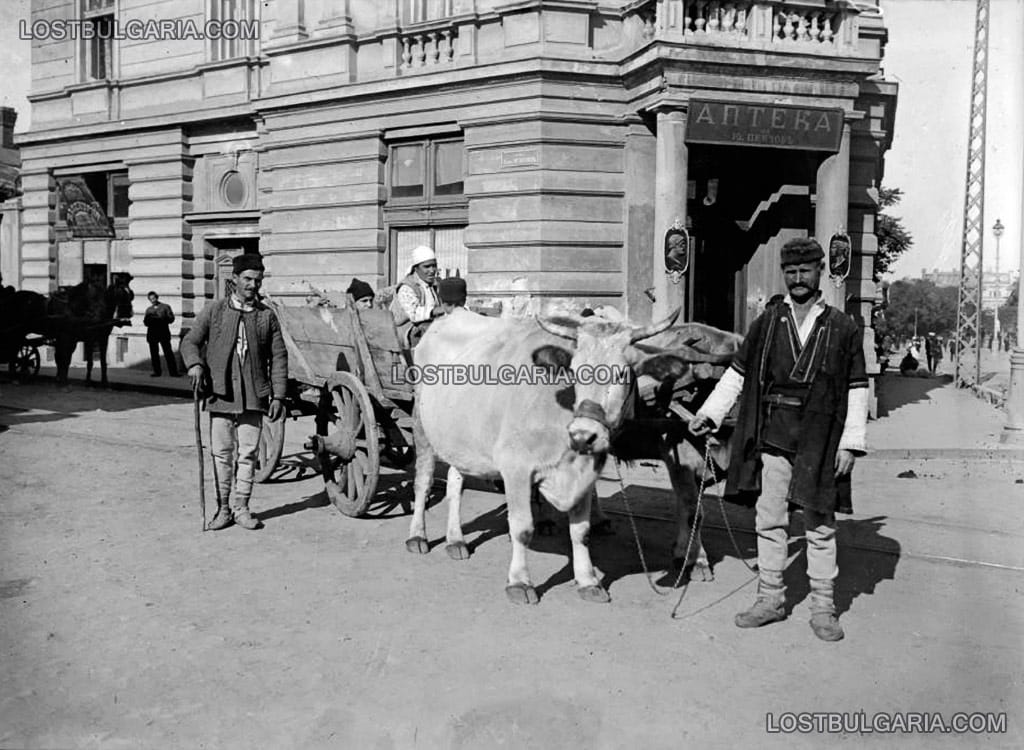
[[431, 45], [812, 26]]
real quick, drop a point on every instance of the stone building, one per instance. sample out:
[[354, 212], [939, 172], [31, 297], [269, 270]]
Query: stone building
[[543, 147], [10, 203]]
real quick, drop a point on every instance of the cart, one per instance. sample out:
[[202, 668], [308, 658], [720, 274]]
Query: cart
[[20, 352], [345, 368]]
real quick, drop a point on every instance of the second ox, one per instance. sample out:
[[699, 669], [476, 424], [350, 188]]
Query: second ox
[[552, 436]]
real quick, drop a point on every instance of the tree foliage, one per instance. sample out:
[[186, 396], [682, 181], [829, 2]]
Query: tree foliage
[[893, 237], [933, 306]]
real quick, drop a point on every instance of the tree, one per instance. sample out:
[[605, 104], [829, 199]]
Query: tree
[[893, 237], [933, 308]]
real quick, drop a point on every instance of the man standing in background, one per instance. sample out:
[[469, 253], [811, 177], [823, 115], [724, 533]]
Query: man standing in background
[[158, 319]]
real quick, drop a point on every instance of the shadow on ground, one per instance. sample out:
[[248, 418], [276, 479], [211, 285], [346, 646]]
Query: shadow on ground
[[895, 390]]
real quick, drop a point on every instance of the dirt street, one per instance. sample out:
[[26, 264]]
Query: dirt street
[[123, 626]]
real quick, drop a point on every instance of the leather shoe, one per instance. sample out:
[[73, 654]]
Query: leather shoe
[[247, 520], [826, 626], [221, 520], [765, 610]]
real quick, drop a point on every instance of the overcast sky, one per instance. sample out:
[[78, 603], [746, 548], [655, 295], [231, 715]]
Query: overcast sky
[[929, 55]]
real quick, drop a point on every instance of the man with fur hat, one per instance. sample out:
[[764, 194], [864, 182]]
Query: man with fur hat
[[416, 302], [803, 401], [248, 369]]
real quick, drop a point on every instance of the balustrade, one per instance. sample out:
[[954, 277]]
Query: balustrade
[[428, 47], [758, 23]]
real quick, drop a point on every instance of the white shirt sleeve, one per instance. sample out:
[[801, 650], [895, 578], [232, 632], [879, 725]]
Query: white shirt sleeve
[[721, 400], [409, 302], [855, 428]]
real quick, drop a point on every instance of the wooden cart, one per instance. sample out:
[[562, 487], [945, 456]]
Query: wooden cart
[[345, 368]]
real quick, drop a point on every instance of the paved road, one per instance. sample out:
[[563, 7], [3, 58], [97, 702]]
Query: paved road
[[123, 626]]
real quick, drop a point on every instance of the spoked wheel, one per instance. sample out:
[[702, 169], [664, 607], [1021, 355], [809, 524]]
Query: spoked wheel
[[25, 365], [268, 453], [351, 484]]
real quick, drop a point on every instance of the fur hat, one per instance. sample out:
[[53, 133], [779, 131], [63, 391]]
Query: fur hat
[[359, 289], [421, 254], [452, 290], [801, 250], [247, 262]]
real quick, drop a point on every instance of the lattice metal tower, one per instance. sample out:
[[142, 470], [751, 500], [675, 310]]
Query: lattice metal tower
[[968, 311]]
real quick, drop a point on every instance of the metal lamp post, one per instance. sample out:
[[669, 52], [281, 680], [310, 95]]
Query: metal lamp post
[[997, 230]]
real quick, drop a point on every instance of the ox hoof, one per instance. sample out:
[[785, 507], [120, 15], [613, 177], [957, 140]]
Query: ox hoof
[[521, 593], [602, 528], [594, 594], [545, 528], [698, 571], [457, 551], [418, 545]]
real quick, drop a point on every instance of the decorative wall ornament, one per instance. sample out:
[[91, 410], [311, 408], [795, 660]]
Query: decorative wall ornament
[[677, 252], [839, 257]]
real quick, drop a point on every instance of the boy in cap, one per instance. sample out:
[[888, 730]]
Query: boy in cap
[[801, 382], [362, 294], [248, 367], [416, 302]]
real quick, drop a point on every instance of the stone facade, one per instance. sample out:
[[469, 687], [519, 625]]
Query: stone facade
[[542, 145]]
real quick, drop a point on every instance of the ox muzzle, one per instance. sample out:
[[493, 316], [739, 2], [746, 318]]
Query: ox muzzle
[[589, 431]]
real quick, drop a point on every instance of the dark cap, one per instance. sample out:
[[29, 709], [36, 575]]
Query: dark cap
[[247, 262], [359, 289], [452, 290], [801, 250]]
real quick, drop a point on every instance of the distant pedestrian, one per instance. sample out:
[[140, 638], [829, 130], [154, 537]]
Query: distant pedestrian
[[248, 370], [933, 350], [801, 381], [158, 319]]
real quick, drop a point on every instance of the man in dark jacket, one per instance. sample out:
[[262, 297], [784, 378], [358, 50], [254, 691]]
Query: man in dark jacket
[[802, 386], [248, 368], [158, 319]]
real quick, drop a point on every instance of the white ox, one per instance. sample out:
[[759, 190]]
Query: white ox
[[551, 436]]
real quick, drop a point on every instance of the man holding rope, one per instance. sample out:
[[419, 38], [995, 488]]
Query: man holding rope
[[248, 370], [801, 382]]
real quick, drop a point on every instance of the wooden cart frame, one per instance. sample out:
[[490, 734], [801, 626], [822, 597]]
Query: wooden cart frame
[[346, 368]]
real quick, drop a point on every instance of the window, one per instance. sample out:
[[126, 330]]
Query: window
[[426, 171], [98, 15], [426, 203], [417, 11], [452, 255], [239, 25]]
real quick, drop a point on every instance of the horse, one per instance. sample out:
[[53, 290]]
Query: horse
[[86, 312]]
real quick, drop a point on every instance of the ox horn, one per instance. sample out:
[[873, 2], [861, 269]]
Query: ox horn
[[558, 329], [653, 328]]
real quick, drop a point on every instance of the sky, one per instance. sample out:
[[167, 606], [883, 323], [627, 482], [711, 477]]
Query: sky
[[930, 53]]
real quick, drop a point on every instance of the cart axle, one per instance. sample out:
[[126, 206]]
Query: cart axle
[[340, 444]]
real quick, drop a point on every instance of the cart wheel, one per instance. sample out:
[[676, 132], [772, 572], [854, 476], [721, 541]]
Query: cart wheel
[[351, 486], [25, 365], [268, 453]]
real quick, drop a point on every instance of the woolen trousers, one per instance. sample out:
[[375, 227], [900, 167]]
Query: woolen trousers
[[234, 439], [772, 525], [154, 357]]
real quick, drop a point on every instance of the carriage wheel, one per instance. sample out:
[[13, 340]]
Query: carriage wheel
[[351, 486], [268, 453], [25, 365]]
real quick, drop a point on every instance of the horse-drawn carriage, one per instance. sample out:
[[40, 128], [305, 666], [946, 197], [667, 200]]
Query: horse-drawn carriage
[[345, 368]]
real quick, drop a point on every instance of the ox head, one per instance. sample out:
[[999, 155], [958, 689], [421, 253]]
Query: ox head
[[600, 364]]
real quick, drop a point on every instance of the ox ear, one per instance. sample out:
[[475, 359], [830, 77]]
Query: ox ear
[[553, 358], [663, 367]]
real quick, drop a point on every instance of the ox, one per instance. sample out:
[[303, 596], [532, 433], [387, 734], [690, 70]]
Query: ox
[[517, 432], [683, 361]]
